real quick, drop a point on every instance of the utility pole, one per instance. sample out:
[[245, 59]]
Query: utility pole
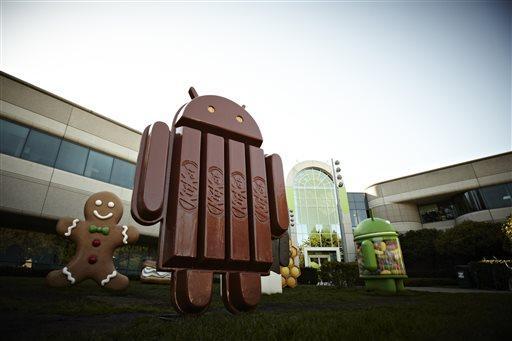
[[338, 183]]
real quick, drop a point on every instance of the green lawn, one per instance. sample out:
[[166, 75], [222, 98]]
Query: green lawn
[[31, 310]]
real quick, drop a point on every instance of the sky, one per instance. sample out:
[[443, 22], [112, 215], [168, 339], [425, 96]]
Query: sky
[[387, 88]]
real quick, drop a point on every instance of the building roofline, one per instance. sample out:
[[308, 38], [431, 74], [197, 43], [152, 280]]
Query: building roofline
[[34, 87], [441, 168]]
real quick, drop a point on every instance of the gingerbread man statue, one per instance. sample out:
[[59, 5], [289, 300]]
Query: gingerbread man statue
[[96, 239]]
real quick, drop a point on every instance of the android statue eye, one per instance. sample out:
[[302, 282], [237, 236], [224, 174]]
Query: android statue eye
[[111, 204], [98, 202], [239, 118], [211, 109]]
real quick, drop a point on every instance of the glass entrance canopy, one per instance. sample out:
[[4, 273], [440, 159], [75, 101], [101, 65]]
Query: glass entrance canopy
[[316, 214]]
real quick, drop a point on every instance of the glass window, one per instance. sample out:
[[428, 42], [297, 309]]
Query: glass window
[[98, 166], [362, 215], [12, 138], [359, 197], [315, 207], [353, 217], [437, 212], [496, 196], [41, 148], [357, 201], [72, 158], [123, 173], [360, 205], [467, 202], [357, 216]]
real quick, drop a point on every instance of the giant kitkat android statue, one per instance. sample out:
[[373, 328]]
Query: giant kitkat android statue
[[218, 198]]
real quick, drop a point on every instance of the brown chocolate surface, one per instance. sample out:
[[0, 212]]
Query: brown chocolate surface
[[212, 231], [149, 190], [191, 291], [280, 252], [218, 199], [277, 195], [261, 241], [237, 227], [181, 220], [241, 291], [228, 119]]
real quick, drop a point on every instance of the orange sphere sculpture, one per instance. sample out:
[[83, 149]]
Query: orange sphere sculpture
[[290, 273]]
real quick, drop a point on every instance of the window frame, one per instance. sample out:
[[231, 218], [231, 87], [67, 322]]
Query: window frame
[[31, 129], [24, 140], [86, 157], [112, 172], [111, 166], [61, 140], [486, 196]]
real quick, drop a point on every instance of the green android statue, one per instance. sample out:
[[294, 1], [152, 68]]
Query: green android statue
[[379, 256]]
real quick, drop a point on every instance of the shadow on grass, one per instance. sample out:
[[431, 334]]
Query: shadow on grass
[[32, 310]]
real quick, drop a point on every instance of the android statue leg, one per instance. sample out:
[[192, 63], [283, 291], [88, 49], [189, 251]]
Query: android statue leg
[[381, 284], [399, 285], [241, 291], [191, 291]]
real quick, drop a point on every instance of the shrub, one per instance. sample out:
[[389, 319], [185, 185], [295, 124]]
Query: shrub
[[308, 276], [434, 253], [341, 275], [420, 255], [493, 274], [471, 241], [507, 231]]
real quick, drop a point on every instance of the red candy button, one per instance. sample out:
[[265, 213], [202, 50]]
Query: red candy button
[[92, 259], [96, 243]]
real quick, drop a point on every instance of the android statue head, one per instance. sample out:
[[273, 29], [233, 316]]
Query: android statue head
[[221, 116], [379, 256]]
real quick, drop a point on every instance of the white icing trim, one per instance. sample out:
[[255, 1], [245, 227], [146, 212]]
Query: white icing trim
[[125, 238], [102, 217], [68, 274], [67, 234], [109, 277]]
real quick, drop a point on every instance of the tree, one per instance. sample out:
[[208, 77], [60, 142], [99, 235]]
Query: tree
[[325, 238]]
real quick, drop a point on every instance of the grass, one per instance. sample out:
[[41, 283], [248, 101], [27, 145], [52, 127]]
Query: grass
[[30, 310]]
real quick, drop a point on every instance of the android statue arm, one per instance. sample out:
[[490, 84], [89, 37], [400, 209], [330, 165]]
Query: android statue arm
[[278, 207], [368, 253], [149, 203], [280, 252], [151, 174]]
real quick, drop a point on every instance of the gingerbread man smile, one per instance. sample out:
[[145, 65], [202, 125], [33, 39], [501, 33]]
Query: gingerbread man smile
[[102, 217], [110, 204]]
